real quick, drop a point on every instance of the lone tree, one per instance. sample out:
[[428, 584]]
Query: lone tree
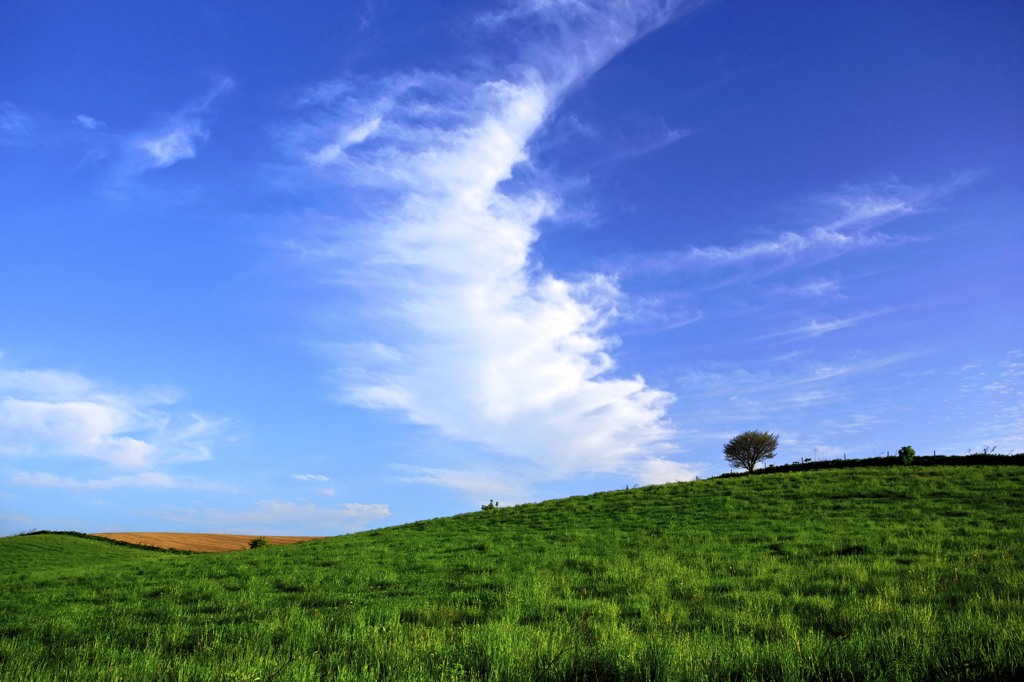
[[749, 448]]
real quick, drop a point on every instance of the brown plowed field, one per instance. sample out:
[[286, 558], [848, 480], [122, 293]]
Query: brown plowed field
[[202, 542]]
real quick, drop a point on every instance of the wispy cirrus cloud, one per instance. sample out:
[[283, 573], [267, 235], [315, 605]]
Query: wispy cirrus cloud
[[777, 390], [858, 213], [177, 139], [1000, 391], [477, 479], [473, 337], [814, 287], [825, 405], [48, 480], [816, 328], [51, 413]]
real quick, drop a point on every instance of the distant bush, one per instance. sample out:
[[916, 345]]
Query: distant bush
[[256, 543], [906, 454], [490, 505]]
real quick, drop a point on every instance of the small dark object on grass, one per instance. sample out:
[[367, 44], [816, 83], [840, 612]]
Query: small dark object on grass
[[256, 543]]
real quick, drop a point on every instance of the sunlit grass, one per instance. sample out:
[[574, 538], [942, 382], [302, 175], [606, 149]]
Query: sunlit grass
[[896, 573]]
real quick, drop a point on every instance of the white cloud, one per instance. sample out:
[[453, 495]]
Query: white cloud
[[787, 245], [47, 413], [310, 477], [346, 137], [816, 328], [14, 123], [833, 407], [277, 516], [578, 36], [47, 480], [44, 384], [477, 481], [11, 521], [86, 122], [659, 470], [857, 213], [1000, 391], [177, 139], [86, 428], [657, 313], [173, 144], [481, 342], [735, 394], [814, 287]]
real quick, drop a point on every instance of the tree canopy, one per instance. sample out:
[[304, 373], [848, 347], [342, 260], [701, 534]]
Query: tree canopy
[[749, 448]]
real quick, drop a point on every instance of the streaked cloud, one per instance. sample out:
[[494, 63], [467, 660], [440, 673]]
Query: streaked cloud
[[44, 384], [472, 336], [792, 383], [317, 478], [1000, 390], [833, 407], [816, 328], [597, 147], [814, 287], [857, 213], [656, 313], [86, 122], [310, 477]]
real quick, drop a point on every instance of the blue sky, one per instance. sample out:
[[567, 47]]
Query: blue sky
[[320, 268]]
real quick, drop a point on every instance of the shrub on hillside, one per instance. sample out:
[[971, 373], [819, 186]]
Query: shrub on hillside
[[906, 454], [256, 543]]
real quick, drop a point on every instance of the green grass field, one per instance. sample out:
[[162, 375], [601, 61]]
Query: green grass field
[[898, 573]]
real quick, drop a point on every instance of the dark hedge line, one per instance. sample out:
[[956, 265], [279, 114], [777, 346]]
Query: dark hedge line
[[892, 461], [112, 541]]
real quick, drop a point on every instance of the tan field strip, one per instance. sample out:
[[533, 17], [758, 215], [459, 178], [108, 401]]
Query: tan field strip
[[202, 542]]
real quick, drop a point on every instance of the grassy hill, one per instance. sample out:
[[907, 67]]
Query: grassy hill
[[865, 573]]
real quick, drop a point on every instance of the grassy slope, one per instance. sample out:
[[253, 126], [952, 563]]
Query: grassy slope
[[898, 573], [36, 552]]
